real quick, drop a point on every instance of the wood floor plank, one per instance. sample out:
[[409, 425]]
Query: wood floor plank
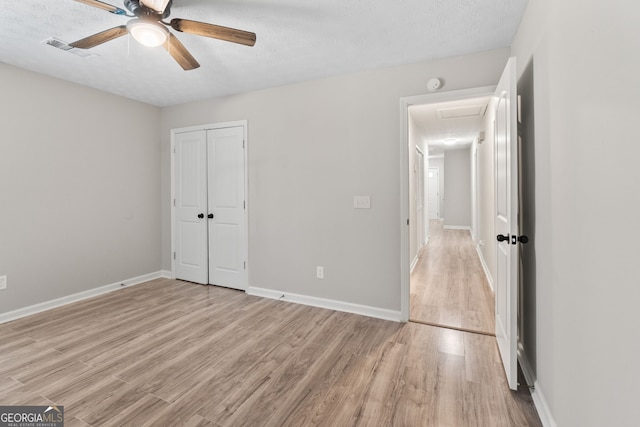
[[387, 385], [74, 422], [272, 391], [122, 414], [307, 402], [174, 353], [448, 286]]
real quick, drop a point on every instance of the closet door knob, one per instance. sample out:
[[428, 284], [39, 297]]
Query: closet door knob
[[502, 238], [200, 215], [210, 216]]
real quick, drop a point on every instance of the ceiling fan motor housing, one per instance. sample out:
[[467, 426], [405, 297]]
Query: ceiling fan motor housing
[[144, 12]]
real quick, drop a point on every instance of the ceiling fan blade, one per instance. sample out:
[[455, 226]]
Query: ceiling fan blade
[[180, 53], [214, 31], [101, 37], [104, 6]]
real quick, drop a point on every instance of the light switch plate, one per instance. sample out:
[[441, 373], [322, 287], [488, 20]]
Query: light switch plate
[[362, 202]]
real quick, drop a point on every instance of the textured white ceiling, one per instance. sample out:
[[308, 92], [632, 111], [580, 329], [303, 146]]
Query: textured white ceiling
[[297, 40], [434, 129]]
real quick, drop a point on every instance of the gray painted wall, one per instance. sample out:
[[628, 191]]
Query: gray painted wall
[[80, 200], [585, 90], [457, 188]]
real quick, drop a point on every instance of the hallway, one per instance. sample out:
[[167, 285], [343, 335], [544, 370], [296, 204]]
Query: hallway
[[448, 285]]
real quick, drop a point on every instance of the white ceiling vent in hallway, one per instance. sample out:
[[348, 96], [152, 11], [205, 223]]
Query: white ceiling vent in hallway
[[59, 44], [458, 112]]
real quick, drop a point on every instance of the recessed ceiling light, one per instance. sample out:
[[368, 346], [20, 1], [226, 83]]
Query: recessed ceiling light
[[449, 141]]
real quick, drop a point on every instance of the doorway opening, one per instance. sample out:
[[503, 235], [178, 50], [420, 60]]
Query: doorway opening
[[444, 282]]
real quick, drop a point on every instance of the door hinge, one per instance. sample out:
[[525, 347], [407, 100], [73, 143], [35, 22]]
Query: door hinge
[[244, 204], [407, 221], [174, 255], [245, 265], [174, 202], [174, 149], [243, 143]]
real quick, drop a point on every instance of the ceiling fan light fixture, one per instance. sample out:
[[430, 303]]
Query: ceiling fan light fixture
[[147, 33]]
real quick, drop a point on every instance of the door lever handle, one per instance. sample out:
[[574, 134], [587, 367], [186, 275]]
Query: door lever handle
[[502, 238], [200, 215], [210, 216]]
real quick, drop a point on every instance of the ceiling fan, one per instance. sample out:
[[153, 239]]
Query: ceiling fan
[[149, 29]]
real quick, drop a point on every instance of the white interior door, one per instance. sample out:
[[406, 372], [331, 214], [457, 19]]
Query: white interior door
[[433, 204], [506, 222], [227, 228], [190, 226]]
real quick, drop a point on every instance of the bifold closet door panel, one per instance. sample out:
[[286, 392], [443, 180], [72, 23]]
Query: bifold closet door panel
[[191, 245], [226, 199]]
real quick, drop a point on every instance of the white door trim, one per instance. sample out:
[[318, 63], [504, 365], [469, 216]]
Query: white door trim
[[405, 103], [238, 123]]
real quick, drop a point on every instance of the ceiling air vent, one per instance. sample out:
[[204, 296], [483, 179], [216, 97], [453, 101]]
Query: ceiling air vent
[[460, 112], [59, 44]]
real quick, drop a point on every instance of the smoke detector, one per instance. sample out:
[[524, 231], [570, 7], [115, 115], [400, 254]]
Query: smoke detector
[[434, 84]]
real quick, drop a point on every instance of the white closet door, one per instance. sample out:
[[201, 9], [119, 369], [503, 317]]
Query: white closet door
[[226, 199], [191, 249]]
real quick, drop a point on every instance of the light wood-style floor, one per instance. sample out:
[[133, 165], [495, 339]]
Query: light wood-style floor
[[448, 284], [171, 353]]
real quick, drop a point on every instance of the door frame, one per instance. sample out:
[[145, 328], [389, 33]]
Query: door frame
[[238, 123], [405, 103]]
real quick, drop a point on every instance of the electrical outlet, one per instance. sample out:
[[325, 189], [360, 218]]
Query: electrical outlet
[[320, 272], [3, 282]]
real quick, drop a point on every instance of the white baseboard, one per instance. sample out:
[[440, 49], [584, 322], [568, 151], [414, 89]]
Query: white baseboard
[[58, 302], [413, 263], [487, 273], [536, 393], [347, 307], [417, 257], [456, 227]]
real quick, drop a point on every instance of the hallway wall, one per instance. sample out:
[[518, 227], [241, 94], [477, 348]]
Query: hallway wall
[[457, 188], [486, 194], [438, 162], [415, 141]]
